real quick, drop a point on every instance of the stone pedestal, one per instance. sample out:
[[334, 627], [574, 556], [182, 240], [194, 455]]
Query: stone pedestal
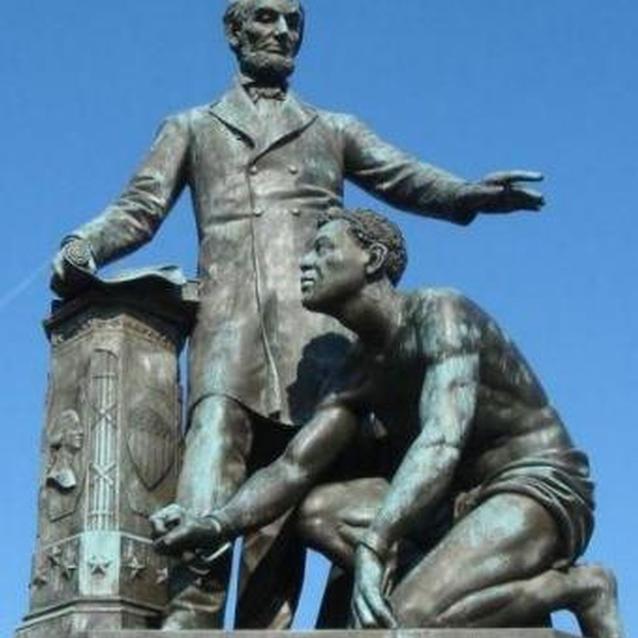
[[109, 457], [401, 633]]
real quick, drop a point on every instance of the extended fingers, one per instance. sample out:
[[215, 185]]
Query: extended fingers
[[370, 610], [528, 198], [505, 198], [505, 178], [362, 615], [382, 613]]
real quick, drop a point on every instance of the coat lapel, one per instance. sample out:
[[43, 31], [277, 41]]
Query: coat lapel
[[236, 110], [292, 118]]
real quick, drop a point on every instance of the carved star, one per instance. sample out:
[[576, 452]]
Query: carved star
[[162, 575], [135, 567], [99, 565], [55, 557], [40, 579], [68, 568]]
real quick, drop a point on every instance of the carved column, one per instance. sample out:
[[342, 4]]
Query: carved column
[[109, 457]]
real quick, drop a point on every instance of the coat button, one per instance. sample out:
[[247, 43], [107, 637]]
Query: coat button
[[254, 170], [293, 169], [258, 212], [296, 211]]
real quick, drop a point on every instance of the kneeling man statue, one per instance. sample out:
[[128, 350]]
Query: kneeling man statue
[[489, 503]]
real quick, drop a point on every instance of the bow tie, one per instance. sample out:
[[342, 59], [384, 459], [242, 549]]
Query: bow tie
[[257, 93]]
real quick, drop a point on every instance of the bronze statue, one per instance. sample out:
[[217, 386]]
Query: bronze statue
[[257, 159], [488, 494]]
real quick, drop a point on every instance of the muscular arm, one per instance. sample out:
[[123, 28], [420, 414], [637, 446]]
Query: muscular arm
[[446, 409], [135, 216], [276, 488]]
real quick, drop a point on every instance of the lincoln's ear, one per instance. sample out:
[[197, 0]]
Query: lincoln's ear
[[232, 34], [376, 261]]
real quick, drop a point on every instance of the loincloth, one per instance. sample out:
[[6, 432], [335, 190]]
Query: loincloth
[[559, 480]]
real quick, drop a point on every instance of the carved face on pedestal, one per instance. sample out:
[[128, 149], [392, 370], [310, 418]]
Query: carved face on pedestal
[[335, 269], [266, 36]]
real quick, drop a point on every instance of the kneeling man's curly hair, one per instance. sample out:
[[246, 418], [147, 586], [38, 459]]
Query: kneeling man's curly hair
[[368, 228]]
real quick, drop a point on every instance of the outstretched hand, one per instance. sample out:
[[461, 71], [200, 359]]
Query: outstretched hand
[[177, 530], [503, 192], [370, 608]]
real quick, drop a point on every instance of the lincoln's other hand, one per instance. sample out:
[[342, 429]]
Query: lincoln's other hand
[[70, 266], [502, 192]]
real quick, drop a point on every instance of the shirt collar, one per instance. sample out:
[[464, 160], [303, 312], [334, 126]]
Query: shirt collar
[[258, 91]]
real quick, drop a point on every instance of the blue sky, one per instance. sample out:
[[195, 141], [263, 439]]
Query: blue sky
[[470, 86]]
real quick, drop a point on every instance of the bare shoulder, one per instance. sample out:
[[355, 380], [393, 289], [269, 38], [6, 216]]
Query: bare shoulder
[[446, 321], [446, 305]]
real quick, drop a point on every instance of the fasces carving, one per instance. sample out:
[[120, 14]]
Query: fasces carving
[[103, 402], [66, 464]]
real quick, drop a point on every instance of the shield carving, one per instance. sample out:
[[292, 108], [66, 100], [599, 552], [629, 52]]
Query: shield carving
[[151, 444]]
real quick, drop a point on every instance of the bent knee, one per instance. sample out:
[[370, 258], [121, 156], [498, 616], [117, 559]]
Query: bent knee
[[413, 614], [352, 504], [316, 516]]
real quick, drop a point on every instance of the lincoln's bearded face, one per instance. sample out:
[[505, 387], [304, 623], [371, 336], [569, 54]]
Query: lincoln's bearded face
[[266, 36]]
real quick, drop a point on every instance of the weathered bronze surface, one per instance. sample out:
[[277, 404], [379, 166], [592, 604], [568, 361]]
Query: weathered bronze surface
[[487, 504], [255, 160]]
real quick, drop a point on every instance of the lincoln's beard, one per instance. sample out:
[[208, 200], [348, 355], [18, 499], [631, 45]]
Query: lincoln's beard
[[266, 67]]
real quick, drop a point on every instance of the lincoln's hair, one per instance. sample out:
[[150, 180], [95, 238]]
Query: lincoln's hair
[[369, 228], [236, 13]]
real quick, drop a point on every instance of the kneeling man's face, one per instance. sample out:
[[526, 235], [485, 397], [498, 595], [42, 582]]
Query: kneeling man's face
[[334, 269]]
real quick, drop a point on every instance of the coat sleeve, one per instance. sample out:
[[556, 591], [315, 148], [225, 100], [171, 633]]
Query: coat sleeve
[[398, 178], [136, 215]]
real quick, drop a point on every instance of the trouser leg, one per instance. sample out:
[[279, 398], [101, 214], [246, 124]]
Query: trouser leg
[[334, 612], [273, 558], [218, 443], [271, 576]]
